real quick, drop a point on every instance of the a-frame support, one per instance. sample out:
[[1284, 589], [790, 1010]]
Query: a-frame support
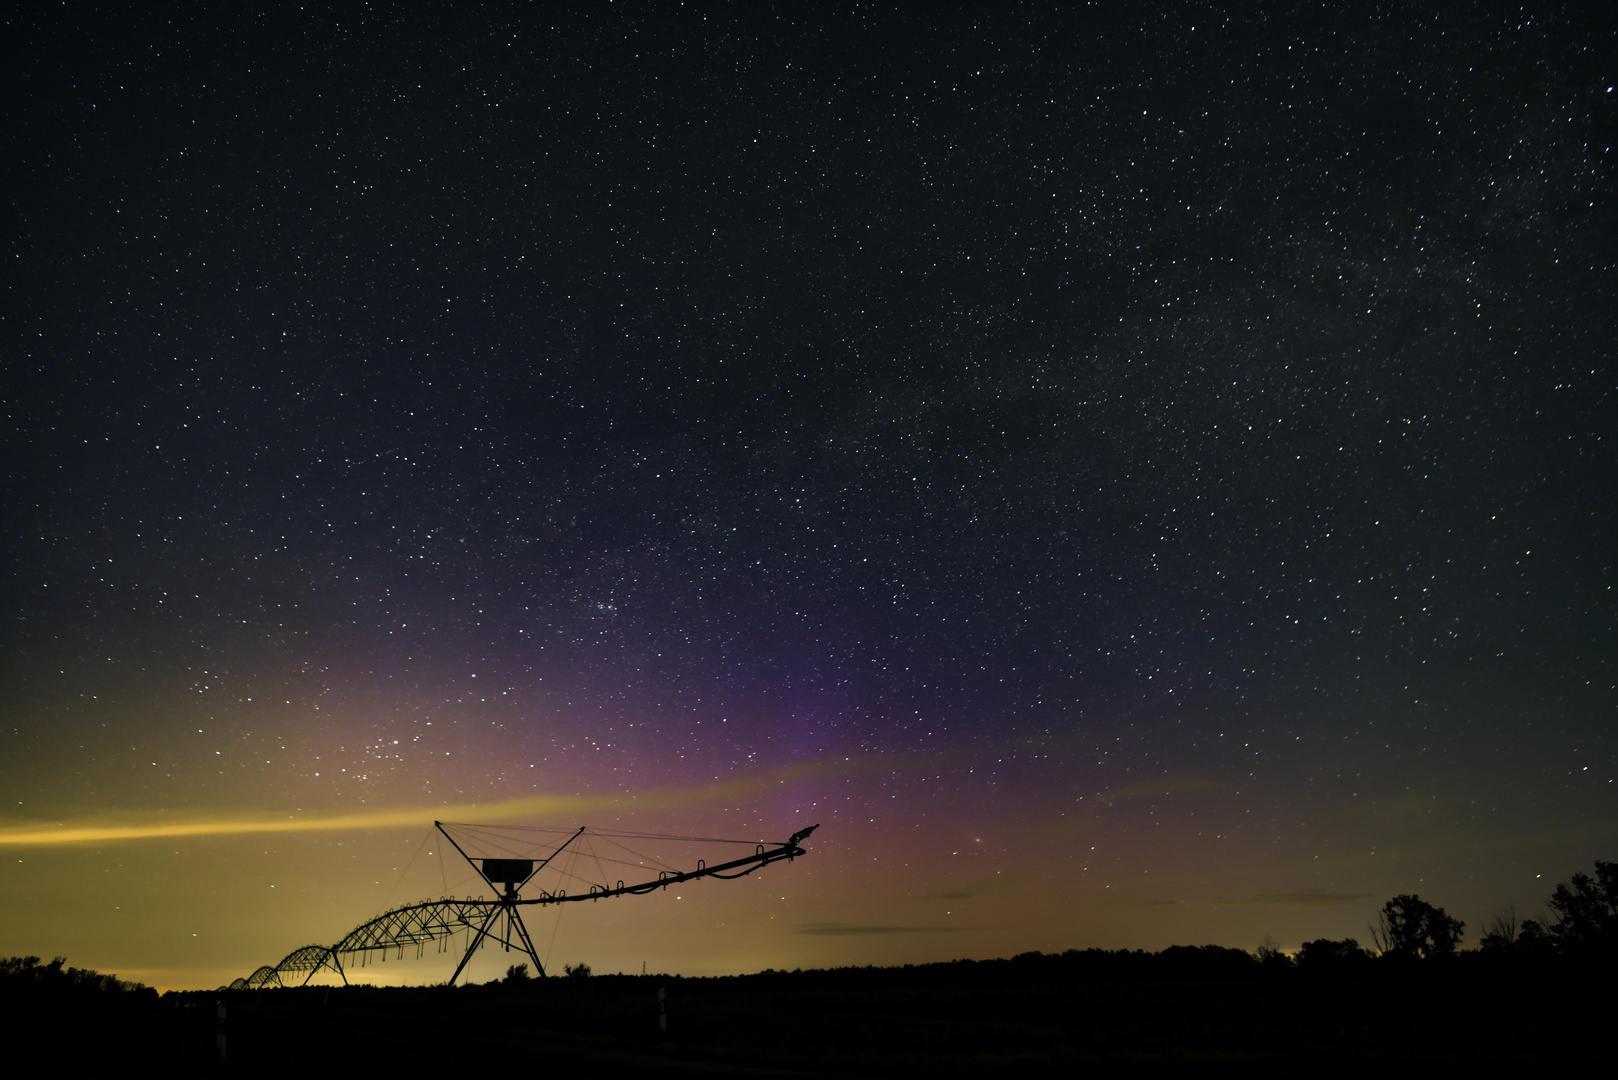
[[509, 899], [330, 960]]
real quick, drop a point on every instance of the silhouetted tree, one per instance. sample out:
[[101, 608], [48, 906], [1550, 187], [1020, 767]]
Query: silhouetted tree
[[1534, 940], [1409, 926], [26, 973], [1270, 955], [1502, 932], [1587, 914], [517, 973], [93, 1020], [1325, 953], [577, 971]]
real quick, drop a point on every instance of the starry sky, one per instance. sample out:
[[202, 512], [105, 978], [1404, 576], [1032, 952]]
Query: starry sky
[[1135, 474]]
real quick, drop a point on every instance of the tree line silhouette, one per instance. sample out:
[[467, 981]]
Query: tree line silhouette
[[1098, 1006], [97, 1019], [1583, 924], [26, 977]]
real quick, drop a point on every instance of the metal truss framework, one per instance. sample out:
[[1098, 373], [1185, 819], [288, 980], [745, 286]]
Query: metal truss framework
[[415, 926]]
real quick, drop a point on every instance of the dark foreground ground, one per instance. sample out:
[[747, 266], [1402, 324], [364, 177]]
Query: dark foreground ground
[[1186, 1011]]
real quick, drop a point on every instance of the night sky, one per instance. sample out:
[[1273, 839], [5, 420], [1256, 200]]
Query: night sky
[[1135, 475]]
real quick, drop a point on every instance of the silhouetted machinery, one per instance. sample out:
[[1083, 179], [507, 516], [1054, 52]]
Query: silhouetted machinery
[[499, 920]]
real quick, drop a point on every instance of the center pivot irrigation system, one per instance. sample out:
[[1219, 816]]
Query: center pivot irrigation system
[[500, 920]]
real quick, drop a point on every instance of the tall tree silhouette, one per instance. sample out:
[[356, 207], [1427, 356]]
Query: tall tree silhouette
[[1587, 914], [1502, 930], [1409, 926]]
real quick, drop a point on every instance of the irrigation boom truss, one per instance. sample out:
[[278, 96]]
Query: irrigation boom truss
[[415, 926]]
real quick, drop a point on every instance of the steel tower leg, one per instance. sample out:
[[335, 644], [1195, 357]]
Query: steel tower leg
[[472, 946], [527, 944]]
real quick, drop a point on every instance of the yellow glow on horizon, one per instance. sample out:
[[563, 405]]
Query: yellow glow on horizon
[[111, 829]]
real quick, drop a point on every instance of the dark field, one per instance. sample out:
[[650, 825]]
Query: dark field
[[1180, 1011]]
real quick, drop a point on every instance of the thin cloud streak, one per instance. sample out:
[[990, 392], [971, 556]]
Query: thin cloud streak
[[155, 826]]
